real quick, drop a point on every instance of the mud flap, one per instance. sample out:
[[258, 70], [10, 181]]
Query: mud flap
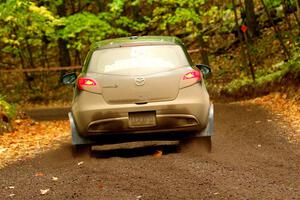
[[76, 138], [208, 131]]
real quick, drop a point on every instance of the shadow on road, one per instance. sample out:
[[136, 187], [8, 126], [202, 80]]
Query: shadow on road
[[136, 152]]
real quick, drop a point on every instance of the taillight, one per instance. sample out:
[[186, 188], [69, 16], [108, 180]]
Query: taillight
[[83, 82], [88, 84], [190, 78], [192, 75]]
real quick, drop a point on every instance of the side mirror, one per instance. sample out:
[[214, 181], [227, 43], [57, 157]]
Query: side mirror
[[69, 79], [206, 71]]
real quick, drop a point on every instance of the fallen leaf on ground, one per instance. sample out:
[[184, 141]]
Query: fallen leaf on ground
[[286, 108], [158, 153], [11, 187], [100, 185], [80, 163], [30, 138], [18, 121], [2, 149], [54, 178], [39, 174], [11, 195], [44, 191]]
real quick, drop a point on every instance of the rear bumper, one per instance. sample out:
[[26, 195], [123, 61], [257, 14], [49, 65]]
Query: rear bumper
[[186, 113], [164, 122], [176, 134]]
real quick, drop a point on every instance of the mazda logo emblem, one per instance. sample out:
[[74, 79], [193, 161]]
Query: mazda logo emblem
[[139, 81]]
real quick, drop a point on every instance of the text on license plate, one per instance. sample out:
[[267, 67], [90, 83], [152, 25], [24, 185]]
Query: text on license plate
[[142, 119]]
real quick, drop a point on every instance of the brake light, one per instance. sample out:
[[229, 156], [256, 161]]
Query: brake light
[[192, 75], [190, 78], [85, 82]]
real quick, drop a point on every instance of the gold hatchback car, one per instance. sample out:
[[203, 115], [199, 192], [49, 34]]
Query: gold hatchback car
[[139, 88]]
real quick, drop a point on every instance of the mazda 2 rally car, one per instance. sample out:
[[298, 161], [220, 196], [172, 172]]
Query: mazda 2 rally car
[[141, 86]]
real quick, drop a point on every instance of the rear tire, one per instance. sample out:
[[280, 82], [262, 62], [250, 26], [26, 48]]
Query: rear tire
[[81, 150], [197, 144]]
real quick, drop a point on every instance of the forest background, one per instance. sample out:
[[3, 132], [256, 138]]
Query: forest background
[[252, 46]]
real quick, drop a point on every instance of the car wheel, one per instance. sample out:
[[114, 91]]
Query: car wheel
[[81, 150], [197, 144]]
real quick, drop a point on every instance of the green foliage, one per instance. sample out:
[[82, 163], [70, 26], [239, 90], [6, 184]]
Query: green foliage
[[82, 29], [25, 25], [7, 108], [32, 32], [170, 14], [227, 18], [27, 20], [267, 77], [236, 84], [7, 112], [116, 6], [273, 3], [31, 25]]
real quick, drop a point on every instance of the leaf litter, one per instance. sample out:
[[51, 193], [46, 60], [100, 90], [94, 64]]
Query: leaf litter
[[287, 109], [43, 192], [158, 153], [39, 174], [30, 138], [80, 163]]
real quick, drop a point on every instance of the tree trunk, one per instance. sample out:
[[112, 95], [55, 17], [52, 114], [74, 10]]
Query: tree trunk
[[298, 8], [77, 58], [243, 51], [286, 13], [251, 21], [276, 29], [297, 15], [102, 5], [204, 49], [64, 55], [203, 45]]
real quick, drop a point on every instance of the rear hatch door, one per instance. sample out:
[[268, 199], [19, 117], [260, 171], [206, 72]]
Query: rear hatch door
[[139, 74]]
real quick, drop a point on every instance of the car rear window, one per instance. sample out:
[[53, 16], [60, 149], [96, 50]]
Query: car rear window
[[137, 60]]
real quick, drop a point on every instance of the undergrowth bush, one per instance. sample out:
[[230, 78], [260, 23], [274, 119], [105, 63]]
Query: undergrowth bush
[[280, 72], [7, 112], [7, 108]]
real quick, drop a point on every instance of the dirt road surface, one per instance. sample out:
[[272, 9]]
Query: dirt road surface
[[251, 159]]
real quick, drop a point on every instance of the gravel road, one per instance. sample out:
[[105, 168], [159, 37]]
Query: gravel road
[[251, 159]]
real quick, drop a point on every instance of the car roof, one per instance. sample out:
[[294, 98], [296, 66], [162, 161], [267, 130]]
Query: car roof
[[151, 40]]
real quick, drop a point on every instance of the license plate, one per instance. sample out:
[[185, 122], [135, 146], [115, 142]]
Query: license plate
[[142, 119]]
